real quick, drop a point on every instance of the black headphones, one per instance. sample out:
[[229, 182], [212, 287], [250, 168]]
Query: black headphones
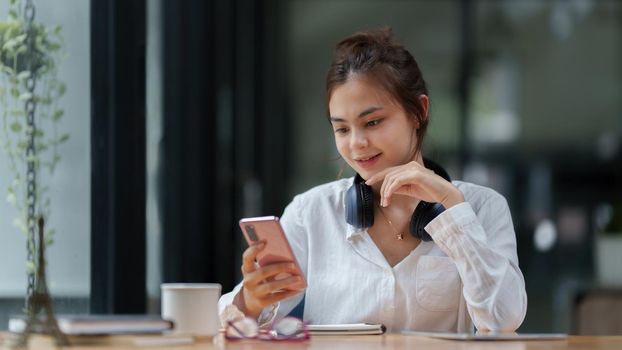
[[360, 205]]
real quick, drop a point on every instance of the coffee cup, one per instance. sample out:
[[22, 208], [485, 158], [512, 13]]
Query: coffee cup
[[193, 307]]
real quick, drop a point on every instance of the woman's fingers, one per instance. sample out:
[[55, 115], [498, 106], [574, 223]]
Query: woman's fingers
[[250, 255], [259, 287], [267, 288], [394, 181], [257, 277], [412, 180], [404, 183], [377, 177]]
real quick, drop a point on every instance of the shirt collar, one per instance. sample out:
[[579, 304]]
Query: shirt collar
[[353, 232]]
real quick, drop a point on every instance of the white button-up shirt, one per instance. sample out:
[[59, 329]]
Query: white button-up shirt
[[468, 276]]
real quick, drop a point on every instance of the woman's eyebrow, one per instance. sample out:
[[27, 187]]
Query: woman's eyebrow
[[367, 111]]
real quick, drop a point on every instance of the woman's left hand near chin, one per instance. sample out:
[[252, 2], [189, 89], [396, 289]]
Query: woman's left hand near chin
[[413, 179]]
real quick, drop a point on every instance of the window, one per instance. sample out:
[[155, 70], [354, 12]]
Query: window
[[68, 258]]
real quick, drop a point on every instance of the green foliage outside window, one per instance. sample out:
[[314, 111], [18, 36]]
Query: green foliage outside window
[[18, 63]]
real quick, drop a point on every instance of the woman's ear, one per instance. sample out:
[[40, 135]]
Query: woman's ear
[[425, 105]]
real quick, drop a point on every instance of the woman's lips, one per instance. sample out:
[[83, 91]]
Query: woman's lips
[[366, 163]]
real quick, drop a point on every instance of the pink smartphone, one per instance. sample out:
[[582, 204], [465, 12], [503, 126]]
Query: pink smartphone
[[269, 229]]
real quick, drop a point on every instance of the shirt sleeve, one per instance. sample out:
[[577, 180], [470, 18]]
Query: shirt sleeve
[[295, 230], [296, 235], [483, 247]]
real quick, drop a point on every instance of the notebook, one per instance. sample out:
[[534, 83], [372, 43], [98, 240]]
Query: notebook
[[489, 336], [100, 324], [346, 329]]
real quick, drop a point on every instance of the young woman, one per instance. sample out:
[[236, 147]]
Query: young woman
[[362, 254]]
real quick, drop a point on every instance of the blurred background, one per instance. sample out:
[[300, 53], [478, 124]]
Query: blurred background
[[185, 116]]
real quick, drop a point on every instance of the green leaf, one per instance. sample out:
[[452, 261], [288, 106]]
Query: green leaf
[[16, 127], [63, 138], [58, 114], [13, 13], [39, 133], [25, 96], [9, 45], [17, 113], [7, 70], [49, 241], [51, 233], [22, 145], [23, 75], [62, 88], [21, 49], [9, 32], [21, 38], [14, 92], [11, 199], [20, 224], [30, 267], [47, 100]]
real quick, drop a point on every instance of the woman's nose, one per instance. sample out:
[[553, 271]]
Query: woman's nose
[[358, 140]]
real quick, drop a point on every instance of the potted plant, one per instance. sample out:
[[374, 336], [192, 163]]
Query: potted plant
[[609, 248], [30, 135]]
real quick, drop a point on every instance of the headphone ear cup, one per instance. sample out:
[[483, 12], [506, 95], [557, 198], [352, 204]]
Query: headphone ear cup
[[422, 216], [352, 214], [360, 206], [367, 204]]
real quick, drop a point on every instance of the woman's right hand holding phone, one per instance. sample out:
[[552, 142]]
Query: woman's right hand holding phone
[[259, 287]]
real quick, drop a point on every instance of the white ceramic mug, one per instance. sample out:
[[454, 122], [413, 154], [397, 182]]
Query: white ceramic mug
[[193, 307]]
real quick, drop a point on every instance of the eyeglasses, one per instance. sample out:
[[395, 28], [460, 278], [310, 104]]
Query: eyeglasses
[[288, 328]]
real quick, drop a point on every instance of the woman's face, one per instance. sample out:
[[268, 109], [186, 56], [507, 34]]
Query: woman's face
[[372, 131]]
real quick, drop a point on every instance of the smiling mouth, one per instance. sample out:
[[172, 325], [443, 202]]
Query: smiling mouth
[[368, 159]]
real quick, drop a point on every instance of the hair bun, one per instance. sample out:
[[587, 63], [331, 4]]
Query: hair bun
[[378, 38]]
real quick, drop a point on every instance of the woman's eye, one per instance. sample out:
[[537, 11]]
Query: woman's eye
[[341, 130], [374, 122]]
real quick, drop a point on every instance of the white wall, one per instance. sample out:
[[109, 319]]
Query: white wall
[[69, 257]]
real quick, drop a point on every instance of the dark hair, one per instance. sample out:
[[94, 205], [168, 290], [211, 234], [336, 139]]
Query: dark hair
[[374, 54]]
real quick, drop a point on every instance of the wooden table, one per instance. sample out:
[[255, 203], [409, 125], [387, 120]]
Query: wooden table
[[364, 342]]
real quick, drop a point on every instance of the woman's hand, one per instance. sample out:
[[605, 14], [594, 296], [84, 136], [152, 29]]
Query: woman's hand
[[258, 289], [413, 179]]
